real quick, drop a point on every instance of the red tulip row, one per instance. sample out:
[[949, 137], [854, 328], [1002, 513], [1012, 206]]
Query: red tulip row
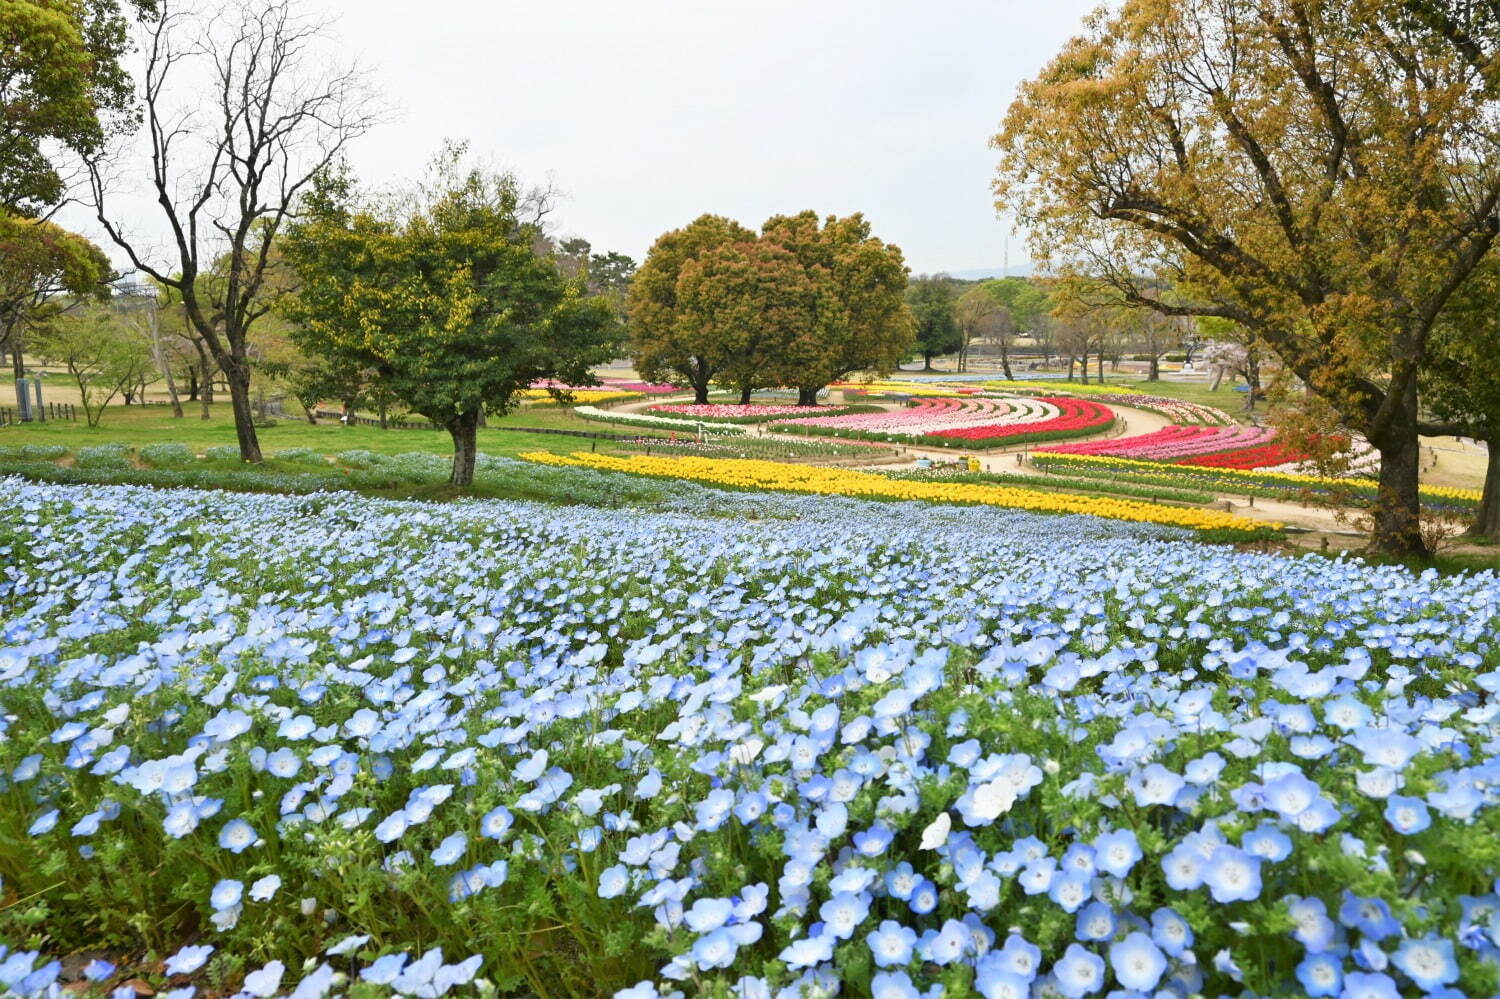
[[1078, 416]]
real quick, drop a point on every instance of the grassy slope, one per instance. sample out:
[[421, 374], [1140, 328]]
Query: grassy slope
[[138, 425]]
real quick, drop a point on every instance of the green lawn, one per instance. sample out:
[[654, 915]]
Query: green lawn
[[138, 425]]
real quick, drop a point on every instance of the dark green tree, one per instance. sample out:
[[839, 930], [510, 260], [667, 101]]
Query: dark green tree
[[932, 298], [443, 298]]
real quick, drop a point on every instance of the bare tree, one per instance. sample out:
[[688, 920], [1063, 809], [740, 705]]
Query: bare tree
[[227, 182]]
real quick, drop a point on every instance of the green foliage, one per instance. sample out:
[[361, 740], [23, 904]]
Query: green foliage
[[442, 298], [222, 453], [932, 300], [663, 346], [102, 352], [62, 85], [862, 322]]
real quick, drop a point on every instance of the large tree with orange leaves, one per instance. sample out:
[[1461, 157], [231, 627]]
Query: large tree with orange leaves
[[1322, 173]]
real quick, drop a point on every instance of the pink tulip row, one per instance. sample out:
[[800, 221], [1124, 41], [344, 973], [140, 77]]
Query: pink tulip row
[[1171, 443], [725, 411], [935, 414]]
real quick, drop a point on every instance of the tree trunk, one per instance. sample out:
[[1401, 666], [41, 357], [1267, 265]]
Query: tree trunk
[[161, 363], [1071, 361], [463, 429], [1005, 358], [807, 396], [238, 377], [1213, 386], [744, 395], [926, 362], [700, 394], [1101, 367], [1083, 368], [205, 384], [192, 383], [380, 410], [1397, 513], [1487, 519], [1154, 373], [312, 416]]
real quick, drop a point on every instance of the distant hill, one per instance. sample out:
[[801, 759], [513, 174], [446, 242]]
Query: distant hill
[[979, 274]]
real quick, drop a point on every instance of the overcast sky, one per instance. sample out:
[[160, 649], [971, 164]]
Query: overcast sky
[[648, 113]]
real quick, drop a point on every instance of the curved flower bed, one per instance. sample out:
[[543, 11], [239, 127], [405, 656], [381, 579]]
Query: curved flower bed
[[967, 423], [1258, 481], [931, 414], [735, 413], [1076, 417], [781, 477], [1172, 443], [513, 749], [647, 420], [1264, 456]]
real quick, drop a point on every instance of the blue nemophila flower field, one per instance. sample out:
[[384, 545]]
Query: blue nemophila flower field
[[325, 745]]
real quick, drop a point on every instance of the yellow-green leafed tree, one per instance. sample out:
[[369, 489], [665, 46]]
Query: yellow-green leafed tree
[[862, 321], [1321, 173], [663, 344], [751, 300]]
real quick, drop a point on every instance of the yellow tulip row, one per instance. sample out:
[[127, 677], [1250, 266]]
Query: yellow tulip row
[[952, 388], [580, 397], [1248, 475], [784, 477]]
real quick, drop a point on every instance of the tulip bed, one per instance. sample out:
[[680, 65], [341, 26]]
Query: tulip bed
[[968, 423], [1176, 444], [715, 412], [263, 745], [782, 477], [1242, 482]]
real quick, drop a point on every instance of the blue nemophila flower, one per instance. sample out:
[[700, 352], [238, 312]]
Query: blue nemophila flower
[[98, 970], [1117, 852], [843, 913], [450, 849], [1137, 963], [265, 981], [1428, 962], [1371, 916], [226, 894], [189, 959], [891, 944], [237, 836], [1079, 972], [1232, 875], [893, 985], [1408, 816], [1321, 974], [1362, 985], [265, 888]]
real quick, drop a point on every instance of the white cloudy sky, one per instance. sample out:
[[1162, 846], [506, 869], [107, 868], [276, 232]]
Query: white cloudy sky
[[647, 113]]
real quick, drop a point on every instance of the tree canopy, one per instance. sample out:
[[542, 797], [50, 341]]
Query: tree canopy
[[1322, 173], [932, 299], [664, 344], [62, 89], [443, 297]]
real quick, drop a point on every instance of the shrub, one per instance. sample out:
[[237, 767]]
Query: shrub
[[300, 456], [167, 455], [102, 456], [223, 453]]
